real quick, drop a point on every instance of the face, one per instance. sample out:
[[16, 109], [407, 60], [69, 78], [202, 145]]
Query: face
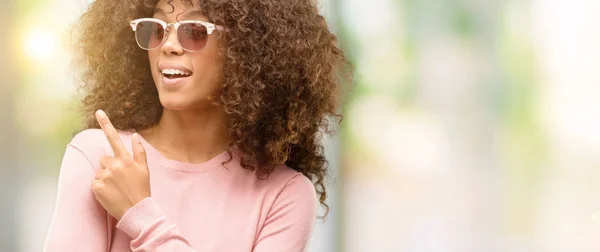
[[202, 74]]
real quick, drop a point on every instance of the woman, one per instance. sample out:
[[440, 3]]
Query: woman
[[209, 133]]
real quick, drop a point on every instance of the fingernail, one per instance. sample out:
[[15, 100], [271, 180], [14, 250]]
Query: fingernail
[[100, 113], [136, 137]]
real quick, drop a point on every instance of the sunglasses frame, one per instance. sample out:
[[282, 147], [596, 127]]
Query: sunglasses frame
[[210, 27]]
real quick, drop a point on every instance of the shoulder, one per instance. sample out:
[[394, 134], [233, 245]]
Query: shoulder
[[284, 181], [292, 200], [281, 180], [294, 180], [93, 143]]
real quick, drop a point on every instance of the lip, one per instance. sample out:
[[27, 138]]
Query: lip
[[177, 81], [169, 65], [173, 82]]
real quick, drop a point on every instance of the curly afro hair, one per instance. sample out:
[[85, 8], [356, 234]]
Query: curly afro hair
[[283, 74]]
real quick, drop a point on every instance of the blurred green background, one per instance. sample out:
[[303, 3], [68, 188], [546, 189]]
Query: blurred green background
[[473, 125]]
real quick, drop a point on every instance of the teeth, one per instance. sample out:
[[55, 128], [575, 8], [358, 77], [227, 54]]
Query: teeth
[[174, 71]]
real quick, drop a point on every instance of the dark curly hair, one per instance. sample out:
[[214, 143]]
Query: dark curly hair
[[283, 77]]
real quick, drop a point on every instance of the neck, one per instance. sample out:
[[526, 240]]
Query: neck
[[189, 136]]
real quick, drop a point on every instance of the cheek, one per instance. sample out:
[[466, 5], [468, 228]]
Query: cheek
[[152, 56], [152, 59], [209, 67], [212, 75]]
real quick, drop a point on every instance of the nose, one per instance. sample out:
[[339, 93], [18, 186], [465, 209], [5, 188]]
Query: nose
[[171, 44]]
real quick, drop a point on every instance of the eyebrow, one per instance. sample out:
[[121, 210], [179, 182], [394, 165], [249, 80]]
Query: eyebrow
[[190, 14]]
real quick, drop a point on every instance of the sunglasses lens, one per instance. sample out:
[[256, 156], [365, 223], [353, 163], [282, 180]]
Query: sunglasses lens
[[149, 35], [192, 37]]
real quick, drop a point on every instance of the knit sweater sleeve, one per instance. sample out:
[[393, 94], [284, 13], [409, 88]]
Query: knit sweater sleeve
[[79, 222]]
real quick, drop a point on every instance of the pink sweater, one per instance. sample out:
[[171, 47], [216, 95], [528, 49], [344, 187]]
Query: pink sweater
[[193, 207]]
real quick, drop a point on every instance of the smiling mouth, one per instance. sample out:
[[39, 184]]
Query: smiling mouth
[[175, 74]]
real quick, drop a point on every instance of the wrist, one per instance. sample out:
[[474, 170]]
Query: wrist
[[121, 213]]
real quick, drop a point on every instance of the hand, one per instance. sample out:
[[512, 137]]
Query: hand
[[123, 180]]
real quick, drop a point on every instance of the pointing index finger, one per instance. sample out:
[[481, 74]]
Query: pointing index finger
[[111, 134]]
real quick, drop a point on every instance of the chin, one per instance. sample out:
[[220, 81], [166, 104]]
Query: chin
[[178, 102], [173, 102]]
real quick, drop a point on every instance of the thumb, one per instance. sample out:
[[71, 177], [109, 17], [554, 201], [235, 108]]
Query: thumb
[[139, 153]]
